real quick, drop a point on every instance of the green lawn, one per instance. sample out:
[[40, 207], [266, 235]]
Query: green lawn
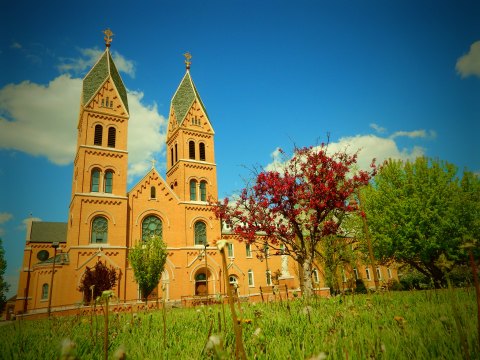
[[392, 325]]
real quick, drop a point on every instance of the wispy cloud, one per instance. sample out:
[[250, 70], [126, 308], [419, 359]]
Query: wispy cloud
[[414, 134], [469, 64], [4, 217], [378, 128], [88, 58], [34, 117], [16, 45]]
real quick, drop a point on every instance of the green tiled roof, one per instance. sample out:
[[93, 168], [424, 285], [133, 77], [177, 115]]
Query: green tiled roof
[[104, 68], [48, 232], [184, 97]]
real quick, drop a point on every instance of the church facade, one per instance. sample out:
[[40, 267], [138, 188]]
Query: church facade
[[105, 220]]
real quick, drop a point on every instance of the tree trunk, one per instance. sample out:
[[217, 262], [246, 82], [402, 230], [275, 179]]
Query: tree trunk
[[307, 289]]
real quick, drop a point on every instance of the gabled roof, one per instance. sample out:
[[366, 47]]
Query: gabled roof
[[96, 77], [184, 97], [48, 232]]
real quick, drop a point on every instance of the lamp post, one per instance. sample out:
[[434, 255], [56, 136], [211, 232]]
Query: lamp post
[[55, 247]]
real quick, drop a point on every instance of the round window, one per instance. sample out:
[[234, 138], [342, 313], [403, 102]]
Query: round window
[[42, 255]]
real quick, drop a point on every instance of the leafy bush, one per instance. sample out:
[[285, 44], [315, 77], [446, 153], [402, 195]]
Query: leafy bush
[[98, 279]]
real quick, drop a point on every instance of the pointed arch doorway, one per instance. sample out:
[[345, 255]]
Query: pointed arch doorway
[[201, 279]]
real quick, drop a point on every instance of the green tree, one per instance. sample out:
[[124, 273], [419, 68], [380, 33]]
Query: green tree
[[4, 286], [97, 279], [414, 214], [148, 261]]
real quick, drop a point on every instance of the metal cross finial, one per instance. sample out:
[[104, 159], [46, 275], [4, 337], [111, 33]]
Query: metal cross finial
[[108, 37], [153, 163], [188, 56]]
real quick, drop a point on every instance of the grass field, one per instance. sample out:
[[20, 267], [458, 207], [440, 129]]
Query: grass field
[[430, 324]]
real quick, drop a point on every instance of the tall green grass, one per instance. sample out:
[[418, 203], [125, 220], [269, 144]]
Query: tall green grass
[[392, 325]]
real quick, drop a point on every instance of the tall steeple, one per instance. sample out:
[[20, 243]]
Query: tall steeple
[[191, 168], [99, 187]]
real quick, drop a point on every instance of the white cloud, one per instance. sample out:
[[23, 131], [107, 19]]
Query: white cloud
[[369, 146], [4, 217], [469, 64], [146, 134], [378, 128], [41, 120], [89, 57], [414, 134]]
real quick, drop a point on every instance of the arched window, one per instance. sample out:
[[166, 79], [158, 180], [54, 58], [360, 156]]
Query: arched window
[[193, 190], [191, 150], [202, 151], [44, 291], [97, 139], [203, 190], [108, 182], [153, 192], [248, 250], [151, 226], [94, 186], [200, 233], [230, 250], [176, 153], [99, 230], [112, 135], [251, 281], [171, 157]]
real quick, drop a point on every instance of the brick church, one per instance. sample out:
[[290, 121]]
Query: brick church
[[105, 220]]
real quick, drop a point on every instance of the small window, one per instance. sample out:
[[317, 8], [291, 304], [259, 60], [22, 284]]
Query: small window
[[191, 150], [379, 274], [203, 190], [97, 138], [269, 277], [230, 250], [176, 153], [99, 230], [44, 291], [153, 192], [248, 250], [171, 157], [250, 278], [94, 186], [355, 271], [367, 272], [344, 276], [200, 233], [389, 271], [193, 190], [108, 183], [316, 279], [202, 151], [112, 134]]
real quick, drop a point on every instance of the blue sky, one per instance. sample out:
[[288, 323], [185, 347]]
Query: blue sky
[[394, 78]]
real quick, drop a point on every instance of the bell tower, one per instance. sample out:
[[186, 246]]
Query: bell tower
[[98, 203], [191, 168]]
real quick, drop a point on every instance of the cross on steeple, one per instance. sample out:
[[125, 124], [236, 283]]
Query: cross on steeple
[[188, 56], [153, 161], [108, 37]]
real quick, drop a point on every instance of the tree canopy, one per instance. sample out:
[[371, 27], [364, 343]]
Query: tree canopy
[[420, 213], [99, 278], [148, 260], [297, 206]]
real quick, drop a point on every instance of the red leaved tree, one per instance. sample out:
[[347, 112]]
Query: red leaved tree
[[297, 206], [96, 280]]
